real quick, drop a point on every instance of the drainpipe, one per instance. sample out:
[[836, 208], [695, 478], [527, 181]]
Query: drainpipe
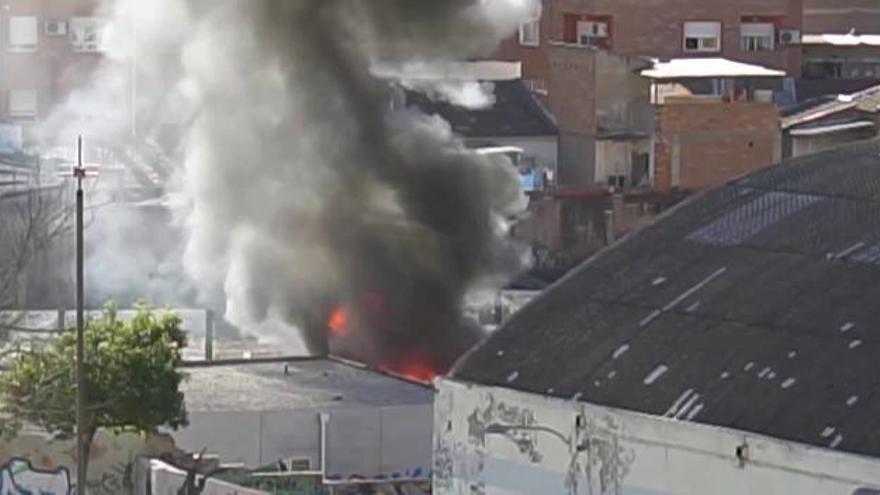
[[609, 227], [324, 418], [209, 335]]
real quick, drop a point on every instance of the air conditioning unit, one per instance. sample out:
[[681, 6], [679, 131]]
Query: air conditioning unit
[[297, 464], [789, 36], [56, 28]]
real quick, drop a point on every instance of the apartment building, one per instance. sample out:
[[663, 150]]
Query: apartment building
[[47, 48], [761, 32], [841, 47], [841, 16], [584, 57]]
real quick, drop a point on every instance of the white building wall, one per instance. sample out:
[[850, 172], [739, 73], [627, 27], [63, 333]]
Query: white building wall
[[623, 452], [544, 150], [361, 442]]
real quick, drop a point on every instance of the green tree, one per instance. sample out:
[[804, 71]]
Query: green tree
[[132, 378]]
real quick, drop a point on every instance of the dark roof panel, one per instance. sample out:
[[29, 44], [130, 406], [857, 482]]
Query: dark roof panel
[[753, 306], [516, 113]]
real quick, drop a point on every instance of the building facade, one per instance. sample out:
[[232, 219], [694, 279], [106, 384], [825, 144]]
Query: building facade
[[584, 58], [842, 57], [498, 441], [604, 115], [841, 16], [831, 122], [762, 32], [47, 49]]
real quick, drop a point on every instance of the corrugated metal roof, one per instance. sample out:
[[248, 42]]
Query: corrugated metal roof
[[758, 298], [867, 100], [832, 128]]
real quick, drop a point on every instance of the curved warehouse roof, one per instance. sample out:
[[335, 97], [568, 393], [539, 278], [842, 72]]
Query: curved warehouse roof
[[753, 306]]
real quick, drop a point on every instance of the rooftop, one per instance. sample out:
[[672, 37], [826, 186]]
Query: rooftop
[[867, 100], [308, 383], [516, 113], [752, 306], [849, 39], [816, 129], [706, 68], [484, 70]]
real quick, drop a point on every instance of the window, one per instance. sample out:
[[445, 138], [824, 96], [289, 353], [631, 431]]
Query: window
[[591, 33], [23, 34], [757, 36], [538, 86], [702, 36], [530, 33], [23, 103], [86, 35], [823, 70]]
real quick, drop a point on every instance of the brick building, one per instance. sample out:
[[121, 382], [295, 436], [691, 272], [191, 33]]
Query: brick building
[[702, 138], [47, 48], [763, 32], [841, 16], [584, 57], [841, 47], [604, 114], [702, 145]]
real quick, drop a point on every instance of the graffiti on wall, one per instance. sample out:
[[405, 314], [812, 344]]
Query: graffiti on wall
[[598, 460], [20, 477], [111, 460], [605, 461]]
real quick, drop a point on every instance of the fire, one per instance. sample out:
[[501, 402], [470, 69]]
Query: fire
[[338, 321], [415, 369], [366, 318]]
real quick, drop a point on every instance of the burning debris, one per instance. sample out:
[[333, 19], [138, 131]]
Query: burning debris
[[311, 202]]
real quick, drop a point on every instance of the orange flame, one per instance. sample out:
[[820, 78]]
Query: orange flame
[[338, 321], [413, 369]]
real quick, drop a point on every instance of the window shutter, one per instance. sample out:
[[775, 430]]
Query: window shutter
[[23, 33]]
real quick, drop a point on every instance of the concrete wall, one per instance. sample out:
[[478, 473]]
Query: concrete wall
[[623, 453], [577, 160], [366, 442], [587, 90], [702, 145], [623, 96], [31, 459]]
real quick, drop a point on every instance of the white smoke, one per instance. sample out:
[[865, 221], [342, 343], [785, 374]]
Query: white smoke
[[303, 189]]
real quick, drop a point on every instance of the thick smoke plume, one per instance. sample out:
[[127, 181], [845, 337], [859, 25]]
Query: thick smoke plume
[[309, 196]]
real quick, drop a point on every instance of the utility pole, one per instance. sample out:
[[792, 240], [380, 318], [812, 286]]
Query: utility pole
[[79, 172]]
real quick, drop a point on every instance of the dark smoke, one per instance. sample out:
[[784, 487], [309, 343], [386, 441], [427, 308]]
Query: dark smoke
[[307, 191]]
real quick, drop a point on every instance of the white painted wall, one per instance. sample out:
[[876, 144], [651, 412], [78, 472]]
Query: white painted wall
[[365, 442], [625, 453], [613, 158], [545, 150]]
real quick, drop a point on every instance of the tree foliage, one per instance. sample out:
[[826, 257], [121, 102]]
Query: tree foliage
[[132, 379]]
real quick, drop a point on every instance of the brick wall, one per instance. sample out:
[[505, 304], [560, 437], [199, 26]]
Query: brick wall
[[705, 145], [655, 28], [839, 16], [572, 88], [54, 69]]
